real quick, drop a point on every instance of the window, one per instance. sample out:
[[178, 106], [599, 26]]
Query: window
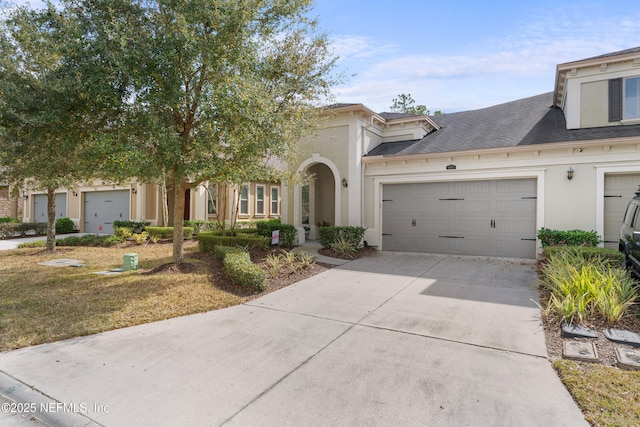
[[632, 98], [259, 199], [624, 99], [244, 200], [212, 200], [305, 204], [275, 200]]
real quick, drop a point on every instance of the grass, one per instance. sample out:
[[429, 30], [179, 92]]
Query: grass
[[607, 396], [41, 304]]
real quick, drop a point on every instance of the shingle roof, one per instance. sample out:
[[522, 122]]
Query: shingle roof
[[390, 116], [340, 105], [620, 52], [523, 122]]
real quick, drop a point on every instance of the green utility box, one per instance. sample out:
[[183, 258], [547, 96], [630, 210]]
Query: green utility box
[[130, 262]]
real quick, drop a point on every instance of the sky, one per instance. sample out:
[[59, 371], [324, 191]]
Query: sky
[[457, 55]]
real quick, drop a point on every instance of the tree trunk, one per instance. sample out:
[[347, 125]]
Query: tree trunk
[[178, 220], [51, 219], [165, 203], [223, 197], [234, 215]]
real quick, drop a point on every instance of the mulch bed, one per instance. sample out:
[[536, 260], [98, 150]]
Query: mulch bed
[[604, 347], [284, 278], [361, 252]]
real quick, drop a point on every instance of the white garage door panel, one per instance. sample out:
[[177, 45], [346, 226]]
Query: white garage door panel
[[40, 207], [101, 208], [494, 218], [618, 190]]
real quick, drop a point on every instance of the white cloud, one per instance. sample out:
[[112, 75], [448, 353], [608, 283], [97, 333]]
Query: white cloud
[[519, 65]]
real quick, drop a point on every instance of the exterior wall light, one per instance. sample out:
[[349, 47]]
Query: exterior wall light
[[570, 173], [345, 184]]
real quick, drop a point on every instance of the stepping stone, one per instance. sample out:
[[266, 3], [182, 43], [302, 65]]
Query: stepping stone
[[623, 336], [577, 350], [575, 331], [628, 359], [63, 262], [109, 272]]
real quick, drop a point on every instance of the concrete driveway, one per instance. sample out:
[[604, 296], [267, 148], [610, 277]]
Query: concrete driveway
[[393, 339]]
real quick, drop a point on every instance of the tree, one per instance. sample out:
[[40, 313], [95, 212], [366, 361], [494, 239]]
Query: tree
[[214, 87], [43, 119], [405, 103]]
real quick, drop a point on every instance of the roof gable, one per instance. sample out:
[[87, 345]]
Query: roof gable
[[526, 121]]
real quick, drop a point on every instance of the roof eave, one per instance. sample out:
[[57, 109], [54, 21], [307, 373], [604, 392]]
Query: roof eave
[[509, 149]]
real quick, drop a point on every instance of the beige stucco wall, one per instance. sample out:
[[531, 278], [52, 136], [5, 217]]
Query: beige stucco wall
[[587, 90], [594, 108]]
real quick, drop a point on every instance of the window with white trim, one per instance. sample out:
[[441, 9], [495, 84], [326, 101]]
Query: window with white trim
[[631, 98], [244, 199], [275, 201], [260, 189], [212, 200], [305, 204], [624, 99]]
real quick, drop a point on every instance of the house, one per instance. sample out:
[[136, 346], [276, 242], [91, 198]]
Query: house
[[477, 182], [481, 182], [94, 207], [10, 202]]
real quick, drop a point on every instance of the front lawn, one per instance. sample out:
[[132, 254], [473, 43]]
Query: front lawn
[[41, 304]]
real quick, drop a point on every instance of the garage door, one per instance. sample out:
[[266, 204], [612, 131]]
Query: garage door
[[618, 190], [40, 207], [101, 208], [491, 218]]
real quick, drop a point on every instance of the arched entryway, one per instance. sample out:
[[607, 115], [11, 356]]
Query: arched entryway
[[317, 202]]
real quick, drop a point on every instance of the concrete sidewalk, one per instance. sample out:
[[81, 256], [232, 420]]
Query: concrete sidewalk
[[392, 339], [8, 244]]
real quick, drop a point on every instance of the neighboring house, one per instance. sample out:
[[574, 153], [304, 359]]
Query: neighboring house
[[481, 182], [94, 208], [10, 202]]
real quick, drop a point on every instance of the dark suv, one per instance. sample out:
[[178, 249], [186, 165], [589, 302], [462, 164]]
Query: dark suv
[[630, 235]]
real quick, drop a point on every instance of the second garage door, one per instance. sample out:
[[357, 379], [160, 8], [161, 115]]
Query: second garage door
[[491, 218], [40, 207], [618, 191], [101, 208]]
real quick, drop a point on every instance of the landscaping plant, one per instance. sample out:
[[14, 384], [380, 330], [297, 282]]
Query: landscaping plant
[[580, 287]]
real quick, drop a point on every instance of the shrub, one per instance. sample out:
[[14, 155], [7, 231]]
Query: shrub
[[239, 268], [610, 257], [265, 228], [8, 219], [208, 240], [167, 232], [579, 287], [135, 226], [331, 234], [21, 229], [569, 238], [200, 225], [90, 240], [141, 238], [288, 232], [243, 231], [64, 226], [344, 247], [124, 232], [222, 251]]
